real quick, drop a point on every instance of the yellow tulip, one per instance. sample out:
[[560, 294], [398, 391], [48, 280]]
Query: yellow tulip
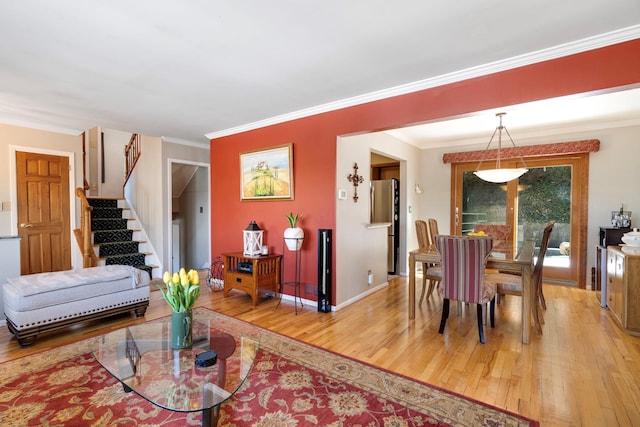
[[181, 290], [194, 277]]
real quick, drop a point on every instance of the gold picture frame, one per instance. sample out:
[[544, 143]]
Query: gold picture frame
[[267, 174]]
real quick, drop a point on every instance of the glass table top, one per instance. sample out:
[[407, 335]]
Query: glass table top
[[142, 359]]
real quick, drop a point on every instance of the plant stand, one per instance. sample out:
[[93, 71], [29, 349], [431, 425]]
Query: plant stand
[[296, 282]]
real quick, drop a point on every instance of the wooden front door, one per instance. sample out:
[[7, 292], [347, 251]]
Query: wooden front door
[[43, 212]]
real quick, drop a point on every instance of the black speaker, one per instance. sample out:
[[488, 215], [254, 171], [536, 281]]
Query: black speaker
[[324, 270]]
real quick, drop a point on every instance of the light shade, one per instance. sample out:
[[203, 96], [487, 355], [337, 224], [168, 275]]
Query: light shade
[[500, 175]]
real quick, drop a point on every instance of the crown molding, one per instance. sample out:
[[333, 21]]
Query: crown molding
[[205, 145], [42, 127], [579, 46]]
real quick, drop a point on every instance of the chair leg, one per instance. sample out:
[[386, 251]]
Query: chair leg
[[480, 327], [542, 300], [432, 285], [424, 286], [445, 315], [492, 309]]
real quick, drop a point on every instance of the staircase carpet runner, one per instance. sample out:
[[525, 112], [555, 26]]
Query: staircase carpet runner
[[115, 240]]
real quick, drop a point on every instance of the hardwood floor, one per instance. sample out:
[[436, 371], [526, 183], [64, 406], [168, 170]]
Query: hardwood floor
[[583, 371]]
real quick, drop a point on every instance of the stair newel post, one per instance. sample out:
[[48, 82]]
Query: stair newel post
[[86, 237]]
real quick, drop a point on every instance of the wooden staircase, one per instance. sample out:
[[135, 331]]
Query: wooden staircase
[[109, 235]]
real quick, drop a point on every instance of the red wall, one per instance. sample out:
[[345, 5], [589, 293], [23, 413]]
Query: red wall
[[314, 141]]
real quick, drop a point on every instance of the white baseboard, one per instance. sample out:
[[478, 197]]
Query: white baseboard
[[362, 295]]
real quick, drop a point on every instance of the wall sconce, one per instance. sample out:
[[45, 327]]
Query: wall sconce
[[252, 236], [355, 179]]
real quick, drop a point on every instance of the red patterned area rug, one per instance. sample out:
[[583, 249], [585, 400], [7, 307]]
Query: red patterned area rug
[[291, 384]]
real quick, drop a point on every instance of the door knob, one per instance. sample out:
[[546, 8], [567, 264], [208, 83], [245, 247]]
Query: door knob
[[23, 225]]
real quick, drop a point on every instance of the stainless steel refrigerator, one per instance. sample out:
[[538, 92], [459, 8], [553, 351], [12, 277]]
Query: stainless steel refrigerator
[[385, 207]]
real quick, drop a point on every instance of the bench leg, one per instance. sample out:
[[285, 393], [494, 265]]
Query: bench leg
[[140, 311], [24, 339]]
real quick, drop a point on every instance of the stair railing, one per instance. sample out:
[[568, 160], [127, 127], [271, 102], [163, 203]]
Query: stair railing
[[131, 155], [83, 235]]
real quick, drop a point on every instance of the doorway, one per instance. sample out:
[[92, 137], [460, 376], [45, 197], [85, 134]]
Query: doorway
[[189, 242], [385, 203], [554, 189]]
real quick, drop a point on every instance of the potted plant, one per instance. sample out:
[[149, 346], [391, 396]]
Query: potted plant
[[294, 235], [181, 292]]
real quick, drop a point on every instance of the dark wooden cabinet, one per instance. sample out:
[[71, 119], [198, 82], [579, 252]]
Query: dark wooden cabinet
[[611, 236]]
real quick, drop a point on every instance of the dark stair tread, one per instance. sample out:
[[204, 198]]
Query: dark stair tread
[[108, 236], [123, 256], [119, 242], [104, 213], [115, 249]]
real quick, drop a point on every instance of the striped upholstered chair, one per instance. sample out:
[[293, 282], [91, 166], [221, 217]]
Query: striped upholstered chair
[[463, 260]]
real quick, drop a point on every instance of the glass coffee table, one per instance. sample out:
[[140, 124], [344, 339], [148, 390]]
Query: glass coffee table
[[141, 358]]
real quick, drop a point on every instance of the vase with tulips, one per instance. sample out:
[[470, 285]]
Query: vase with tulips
[[181, 292]]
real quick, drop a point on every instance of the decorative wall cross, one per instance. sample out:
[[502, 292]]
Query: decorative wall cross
[[355, 179]]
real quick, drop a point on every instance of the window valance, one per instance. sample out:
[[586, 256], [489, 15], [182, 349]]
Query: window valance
[[561, 148]]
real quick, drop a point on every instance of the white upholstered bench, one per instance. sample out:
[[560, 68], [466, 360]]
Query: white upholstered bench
[[43, 302]]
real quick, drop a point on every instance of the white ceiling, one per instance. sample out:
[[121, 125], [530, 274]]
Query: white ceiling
[[530, 120], [189, 70]]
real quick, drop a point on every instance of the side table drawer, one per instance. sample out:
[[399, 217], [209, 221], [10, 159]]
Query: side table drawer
[[241, 281]]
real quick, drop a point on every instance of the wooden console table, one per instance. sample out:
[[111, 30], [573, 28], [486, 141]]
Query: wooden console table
[[264, 275]]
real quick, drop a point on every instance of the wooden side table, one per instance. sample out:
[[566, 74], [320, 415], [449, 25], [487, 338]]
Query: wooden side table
[[264, 274]]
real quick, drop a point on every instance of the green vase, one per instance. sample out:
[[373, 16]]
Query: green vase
[[181, 328]]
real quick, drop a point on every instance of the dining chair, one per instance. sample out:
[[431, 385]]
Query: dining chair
[[433, 229], [430, 272], [511, 284], [498, 231], [463, 260]]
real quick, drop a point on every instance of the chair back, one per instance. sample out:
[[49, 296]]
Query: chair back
[[498, 231], [433, 230], [544, 244], [463, 260], [422, 232]]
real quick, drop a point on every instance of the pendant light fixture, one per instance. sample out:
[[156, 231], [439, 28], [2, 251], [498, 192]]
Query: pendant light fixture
[[499, 174]]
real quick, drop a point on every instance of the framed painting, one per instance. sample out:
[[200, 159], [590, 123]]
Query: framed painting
[[267, 174]]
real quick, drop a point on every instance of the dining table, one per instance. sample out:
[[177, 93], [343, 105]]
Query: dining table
[[505, 257]]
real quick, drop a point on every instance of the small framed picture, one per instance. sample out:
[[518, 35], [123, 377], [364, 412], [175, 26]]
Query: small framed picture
[[267, 174]]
